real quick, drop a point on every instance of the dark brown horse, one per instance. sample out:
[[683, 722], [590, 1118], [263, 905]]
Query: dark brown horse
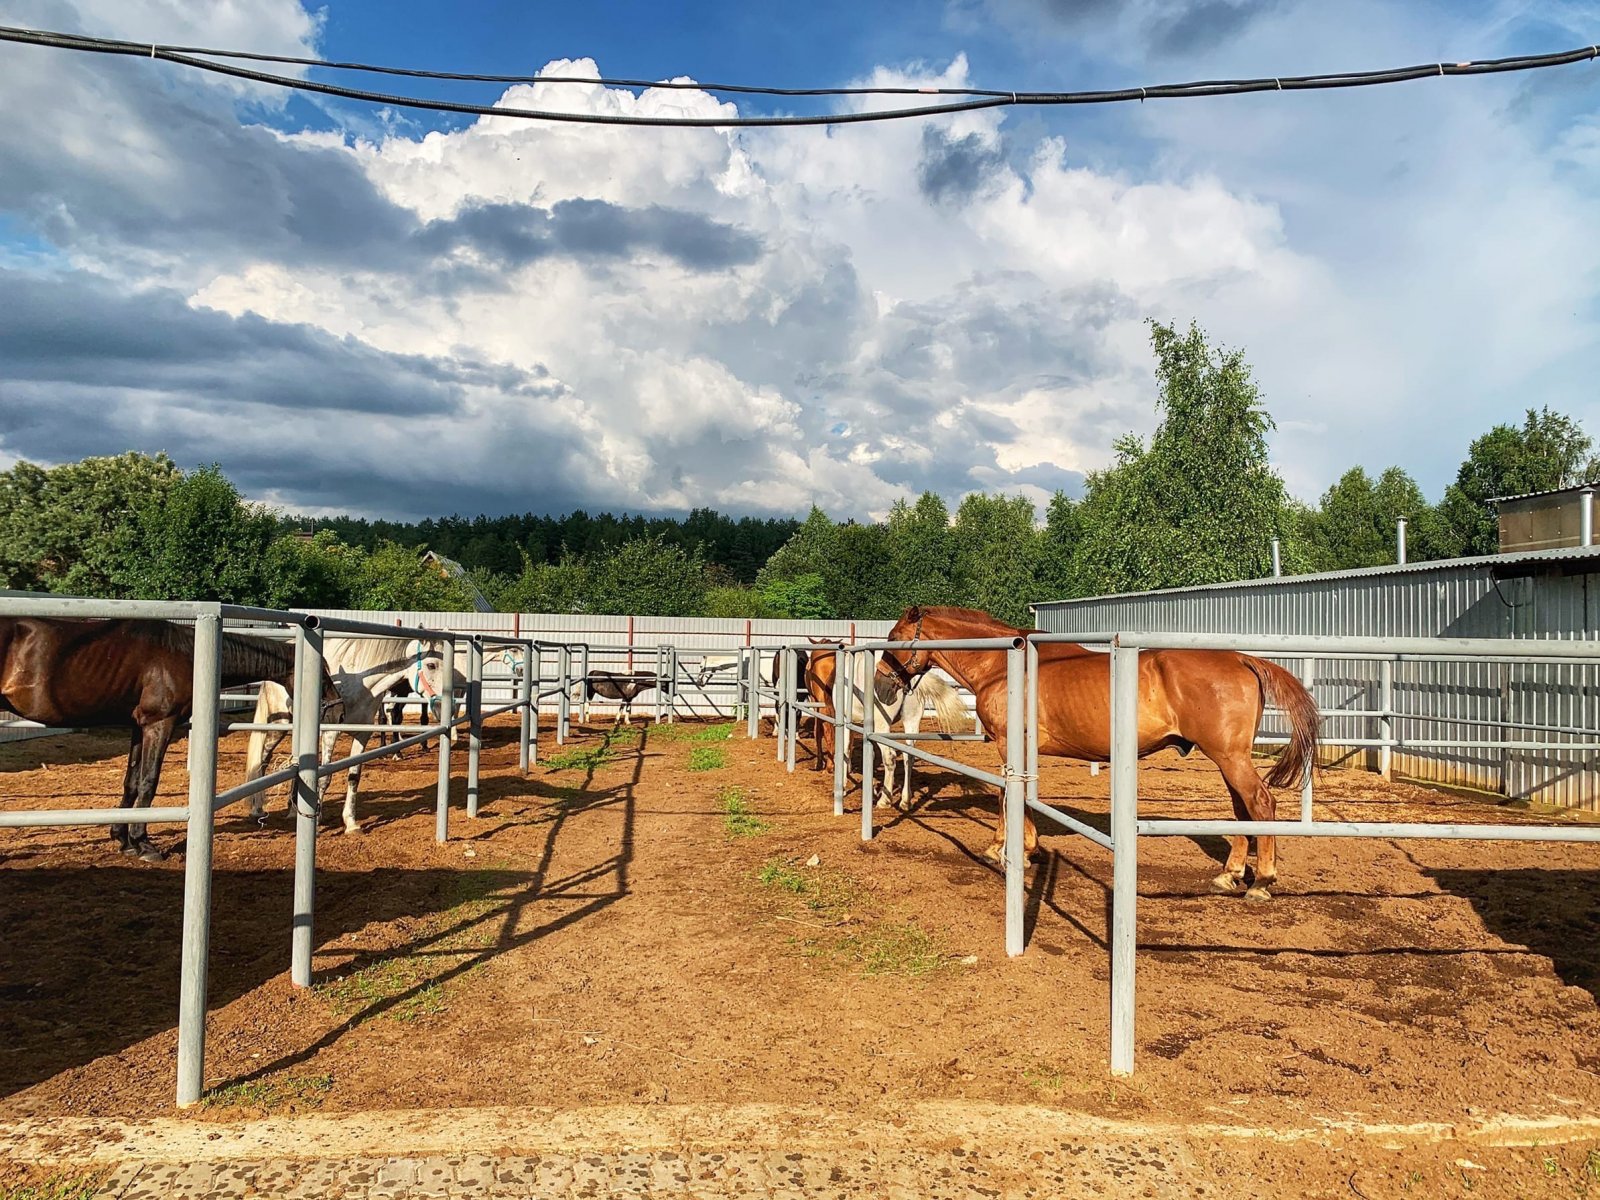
[[75, 674], [1206, 699]]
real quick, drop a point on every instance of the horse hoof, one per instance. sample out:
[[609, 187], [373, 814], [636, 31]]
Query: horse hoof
[[1258, 893], [130, 851], [1226, 884], [151, 854], [351, 829]]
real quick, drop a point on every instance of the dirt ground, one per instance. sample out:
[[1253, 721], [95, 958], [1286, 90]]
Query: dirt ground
[[648, 925]]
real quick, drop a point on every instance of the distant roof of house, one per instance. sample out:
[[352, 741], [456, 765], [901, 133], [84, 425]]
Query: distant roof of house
[[1574, 489], [1563, 556]]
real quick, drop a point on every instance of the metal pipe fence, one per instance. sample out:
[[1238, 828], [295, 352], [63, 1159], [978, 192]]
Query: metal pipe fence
[[306, 773], [1019, 777]]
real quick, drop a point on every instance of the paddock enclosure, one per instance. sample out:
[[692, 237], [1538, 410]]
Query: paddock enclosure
[[669, 915]]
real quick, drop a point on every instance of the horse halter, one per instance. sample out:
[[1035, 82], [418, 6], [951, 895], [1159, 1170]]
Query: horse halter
[[920, 660]]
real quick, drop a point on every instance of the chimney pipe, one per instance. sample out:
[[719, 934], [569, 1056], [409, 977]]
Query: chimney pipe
[[1586, 517], [1277, 559], [1400, 540]]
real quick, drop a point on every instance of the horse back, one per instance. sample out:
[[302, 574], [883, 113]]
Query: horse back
[[65, 671]]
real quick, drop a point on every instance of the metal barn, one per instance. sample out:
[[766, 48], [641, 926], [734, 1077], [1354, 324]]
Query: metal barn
[[1525, 730]]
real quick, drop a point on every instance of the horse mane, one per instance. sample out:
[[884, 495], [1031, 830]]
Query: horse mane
[[358, 655], [954, 611]]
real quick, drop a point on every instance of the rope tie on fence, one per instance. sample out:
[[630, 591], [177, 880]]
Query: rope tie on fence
[[1019, 776]]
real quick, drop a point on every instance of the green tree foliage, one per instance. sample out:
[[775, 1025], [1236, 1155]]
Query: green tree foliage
[[859, 580], [62, 529], [1201, 503], [921, 551], [394, 577], [810, 551], [648, 576], [1354, 526], [803, 598], [321, 572], [1549, 451], [196, 540], [996, 555], [1058, 543], [732, 600], [498, 544], [562, 587]]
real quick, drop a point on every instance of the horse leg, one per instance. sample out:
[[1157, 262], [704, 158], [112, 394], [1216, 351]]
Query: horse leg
[[1245, 782], [130, 791], [156, 737], [358, 744], [1232, 877]]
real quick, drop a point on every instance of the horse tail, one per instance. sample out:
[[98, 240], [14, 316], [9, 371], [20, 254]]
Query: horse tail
[[1280, 687], [946, 702], [272, 701]]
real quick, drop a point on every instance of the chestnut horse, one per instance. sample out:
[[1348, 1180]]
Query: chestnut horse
[[1206, 699], [78, 674]]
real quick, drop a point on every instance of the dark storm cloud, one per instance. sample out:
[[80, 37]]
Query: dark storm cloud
[[954, 170], [76, 330], [1170, 28], [177, 174], [514, 235], [1180, 29]]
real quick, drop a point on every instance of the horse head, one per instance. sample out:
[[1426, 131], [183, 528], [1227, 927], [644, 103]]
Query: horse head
[[906, 666]]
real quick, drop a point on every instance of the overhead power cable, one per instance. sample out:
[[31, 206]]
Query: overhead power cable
[[202, 59]]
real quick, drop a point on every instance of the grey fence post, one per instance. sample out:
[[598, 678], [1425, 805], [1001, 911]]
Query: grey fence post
[[1309, 678], [583, 696], [1124, 848], [672, 686], [474, 721], [661, 682], [527, 690], [841, 735], [196, 949], [780, 715], [447, 706], [307, 738], [1030, 727], [564, 706], [1386, 721], [752, 715], [791, 690], [869, 718], [1016, 855]]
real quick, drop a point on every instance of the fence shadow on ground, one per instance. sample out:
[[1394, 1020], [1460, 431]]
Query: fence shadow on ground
[[89, 964]]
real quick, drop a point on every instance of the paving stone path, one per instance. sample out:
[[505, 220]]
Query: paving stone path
[[926, 1151]]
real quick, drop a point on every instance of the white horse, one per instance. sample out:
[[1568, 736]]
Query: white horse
[[363, 670], [891, 703]]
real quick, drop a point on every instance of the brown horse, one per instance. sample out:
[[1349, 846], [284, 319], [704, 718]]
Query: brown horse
[[819, 668], [75, 674], [1210, 699]]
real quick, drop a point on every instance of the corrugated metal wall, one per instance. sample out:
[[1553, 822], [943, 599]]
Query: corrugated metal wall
[[1481, 702]]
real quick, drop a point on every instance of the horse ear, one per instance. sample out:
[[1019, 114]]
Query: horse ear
[[914, 613]]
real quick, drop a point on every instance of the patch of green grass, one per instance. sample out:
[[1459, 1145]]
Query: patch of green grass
[[895, 949], [56, 1187], [1591, 1164], [785, 878], [715, 733], [579, 758], [1042, 1077], [306, 1090], [707, 758], [402, 985], [737, 819]]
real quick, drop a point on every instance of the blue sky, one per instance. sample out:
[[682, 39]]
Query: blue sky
[[402, 314]]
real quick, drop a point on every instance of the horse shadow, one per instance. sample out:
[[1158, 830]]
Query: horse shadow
[[1553, 912], [89, 967]]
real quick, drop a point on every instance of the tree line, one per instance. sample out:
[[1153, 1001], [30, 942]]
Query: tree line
[[1198, 502]]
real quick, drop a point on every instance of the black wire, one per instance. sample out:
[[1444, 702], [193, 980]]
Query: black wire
[[983, 99]]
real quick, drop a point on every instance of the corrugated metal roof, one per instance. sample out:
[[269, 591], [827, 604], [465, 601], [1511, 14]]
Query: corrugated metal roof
[[1485, 561], [1574, 489]]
